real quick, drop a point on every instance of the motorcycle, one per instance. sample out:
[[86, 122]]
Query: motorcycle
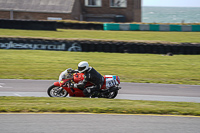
[[65, 87]]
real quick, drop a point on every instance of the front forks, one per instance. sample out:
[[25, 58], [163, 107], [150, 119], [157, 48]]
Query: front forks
[[60, 90]]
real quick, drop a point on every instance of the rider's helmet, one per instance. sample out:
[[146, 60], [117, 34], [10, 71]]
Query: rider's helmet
[[83, 66]]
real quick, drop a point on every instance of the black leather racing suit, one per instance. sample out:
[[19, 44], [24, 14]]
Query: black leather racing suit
[[92, 76]]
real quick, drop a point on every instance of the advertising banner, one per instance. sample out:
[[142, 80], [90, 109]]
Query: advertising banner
[[62, 46]]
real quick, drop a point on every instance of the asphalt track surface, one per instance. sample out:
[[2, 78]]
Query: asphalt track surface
[[97, 123], [132, 91]]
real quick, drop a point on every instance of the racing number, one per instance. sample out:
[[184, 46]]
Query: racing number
[[112, 83]]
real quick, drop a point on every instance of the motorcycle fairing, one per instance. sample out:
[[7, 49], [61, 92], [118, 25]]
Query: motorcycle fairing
[[110, 81], [56, 83]]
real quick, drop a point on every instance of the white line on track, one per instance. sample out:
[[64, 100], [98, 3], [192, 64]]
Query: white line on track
[[17, 94], [1, 84]]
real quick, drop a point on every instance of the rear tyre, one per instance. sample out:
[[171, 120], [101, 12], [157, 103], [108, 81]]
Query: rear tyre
[[56, 91], [111, 95]]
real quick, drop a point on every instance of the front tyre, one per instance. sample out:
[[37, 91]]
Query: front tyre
[[56, 91]]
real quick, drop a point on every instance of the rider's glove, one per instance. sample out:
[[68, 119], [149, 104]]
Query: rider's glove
[[69, 70]]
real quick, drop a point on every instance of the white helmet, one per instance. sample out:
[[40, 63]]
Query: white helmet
[[83, 66]]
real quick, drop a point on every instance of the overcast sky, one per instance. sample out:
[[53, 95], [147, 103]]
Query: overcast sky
[[174, 3]]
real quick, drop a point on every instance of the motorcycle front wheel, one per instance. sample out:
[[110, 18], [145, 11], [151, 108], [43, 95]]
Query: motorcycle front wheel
[[56, 91]]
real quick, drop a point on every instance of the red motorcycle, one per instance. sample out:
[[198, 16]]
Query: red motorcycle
[[65, 86]]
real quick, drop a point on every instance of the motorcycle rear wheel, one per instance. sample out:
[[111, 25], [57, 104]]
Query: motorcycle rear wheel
[[53, 91], [112, 94]]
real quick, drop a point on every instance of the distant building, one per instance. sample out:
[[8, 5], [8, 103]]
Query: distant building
[[82, 10]]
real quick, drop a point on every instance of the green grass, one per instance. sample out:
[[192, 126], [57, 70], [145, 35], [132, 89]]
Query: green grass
[[142, 68], [74, 105], [192, 37]]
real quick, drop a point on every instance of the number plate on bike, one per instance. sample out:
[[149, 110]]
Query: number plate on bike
[[111, 83]]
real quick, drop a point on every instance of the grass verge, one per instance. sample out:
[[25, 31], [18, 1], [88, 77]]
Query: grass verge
[[75, 105], [142, 68], [145, 36]]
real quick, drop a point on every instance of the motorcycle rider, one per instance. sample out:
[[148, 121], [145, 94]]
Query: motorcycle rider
[[92, 76]]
